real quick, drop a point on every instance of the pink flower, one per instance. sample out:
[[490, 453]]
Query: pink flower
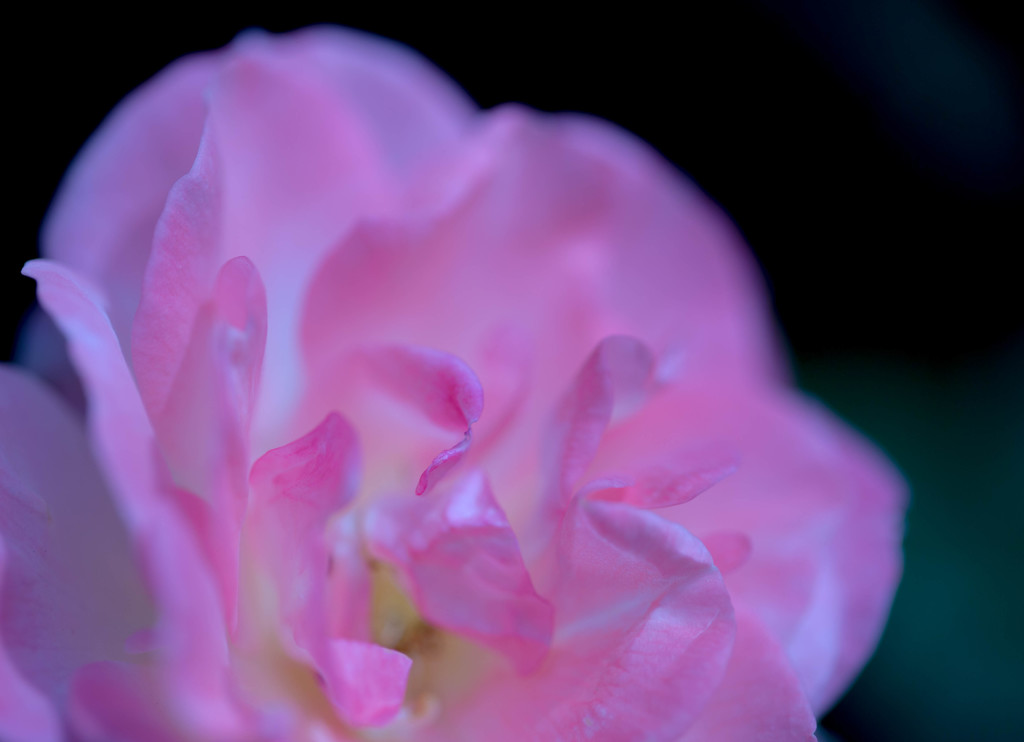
[[412, 422]]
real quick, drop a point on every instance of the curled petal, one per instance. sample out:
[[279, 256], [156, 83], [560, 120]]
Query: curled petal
[[295, 489], [616, 375]]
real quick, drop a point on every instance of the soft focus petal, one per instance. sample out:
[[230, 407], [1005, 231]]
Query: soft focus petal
[[190, 629], [368, 682], [71, 590], [760, 699], [459, 559], [667, 480], [114, 701], [25, 714]]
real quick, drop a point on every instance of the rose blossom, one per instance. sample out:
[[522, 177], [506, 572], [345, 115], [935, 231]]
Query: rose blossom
[[411, 421]]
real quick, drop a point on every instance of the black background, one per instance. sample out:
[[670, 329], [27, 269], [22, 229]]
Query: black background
[[872, 153]]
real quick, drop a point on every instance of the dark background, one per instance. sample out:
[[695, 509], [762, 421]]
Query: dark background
[[872, 152]]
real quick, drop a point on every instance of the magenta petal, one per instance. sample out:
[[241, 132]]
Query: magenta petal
[[759, 699], [25, 714], [461, 563], [368, 683]]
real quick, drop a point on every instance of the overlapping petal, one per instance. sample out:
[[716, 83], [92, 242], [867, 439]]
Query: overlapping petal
[[459, 559]]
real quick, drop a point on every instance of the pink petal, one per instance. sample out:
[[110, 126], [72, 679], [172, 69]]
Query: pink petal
[[119, 701], [72, 593], [729, 549], [671, 479], [760, 699], [644, 631], [410, 107], [460, 561], [203, 429], [822, 511], [368, 683], [25, 714], [437, 384], [618, 371], [295, 489], [190, 626]]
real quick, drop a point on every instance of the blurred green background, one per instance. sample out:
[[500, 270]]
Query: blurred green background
[[949, 664]]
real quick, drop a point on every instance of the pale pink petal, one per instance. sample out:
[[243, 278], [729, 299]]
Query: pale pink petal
[[25, 714], [760, 699], [190, 629], [460, 561], [71, 590], [822, 512], [643, 634]]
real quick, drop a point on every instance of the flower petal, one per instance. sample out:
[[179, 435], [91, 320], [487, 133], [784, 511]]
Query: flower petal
[[25, 714], [71, 592], [822, 512], [368, 683], [190, 629], [295, 489], [671, 479], [643, 634], [460, 562], [617, 373], [759, 699]]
